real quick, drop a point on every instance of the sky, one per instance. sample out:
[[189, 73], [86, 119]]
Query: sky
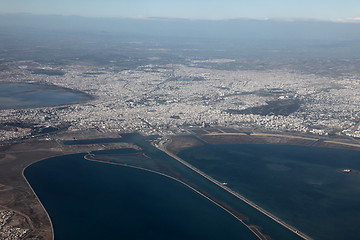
[[191, 9]]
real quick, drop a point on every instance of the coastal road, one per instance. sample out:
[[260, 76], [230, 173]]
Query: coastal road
[[162, 147]]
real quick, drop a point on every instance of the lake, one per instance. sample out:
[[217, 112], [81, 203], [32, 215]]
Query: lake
[[32, 95], [69, 185], [301, 185], [92, 200]]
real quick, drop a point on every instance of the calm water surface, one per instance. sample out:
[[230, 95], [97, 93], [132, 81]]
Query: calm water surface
[[301, 185], [26, 95], [78, 193], [91, 200]]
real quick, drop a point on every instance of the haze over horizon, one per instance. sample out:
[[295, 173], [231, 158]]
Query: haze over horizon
[[330, 10]]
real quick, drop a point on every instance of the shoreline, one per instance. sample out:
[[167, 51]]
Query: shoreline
[[86, 97], [239, 196], [38, 149], [239, 136], [183, 183], [17, 193], [42, 205]]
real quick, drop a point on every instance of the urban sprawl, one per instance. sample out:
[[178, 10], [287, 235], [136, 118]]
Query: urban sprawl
[[170, 98]]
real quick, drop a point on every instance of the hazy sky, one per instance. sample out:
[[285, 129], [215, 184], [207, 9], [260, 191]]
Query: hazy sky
[[195, 9]]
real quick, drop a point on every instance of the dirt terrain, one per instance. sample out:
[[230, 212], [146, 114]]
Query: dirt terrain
[[16, 194]]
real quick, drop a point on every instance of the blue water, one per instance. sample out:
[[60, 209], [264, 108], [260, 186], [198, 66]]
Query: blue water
[[25, 95], [299, 184], [91, 200], [56, 183]]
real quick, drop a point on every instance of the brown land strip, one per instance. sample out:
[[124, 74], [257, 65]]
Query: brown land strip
[[239, 196], [177, 177], [337, 144], [17, 195], [237, 136], [180, 143], [215, 136], [225, 134], [256, 138]]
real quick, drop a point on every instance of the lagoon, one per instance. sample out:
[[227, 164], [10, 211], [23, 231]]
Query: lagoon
[[40, 175], [15, 95], [302, 185], [92, 200]]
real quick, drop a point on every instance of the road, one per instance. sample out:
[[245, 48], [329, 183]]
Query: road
[[239, 196]]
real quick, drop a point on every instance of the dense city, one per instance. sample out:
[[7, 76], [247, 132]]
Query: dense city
[[7, 229], [170, 98]]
